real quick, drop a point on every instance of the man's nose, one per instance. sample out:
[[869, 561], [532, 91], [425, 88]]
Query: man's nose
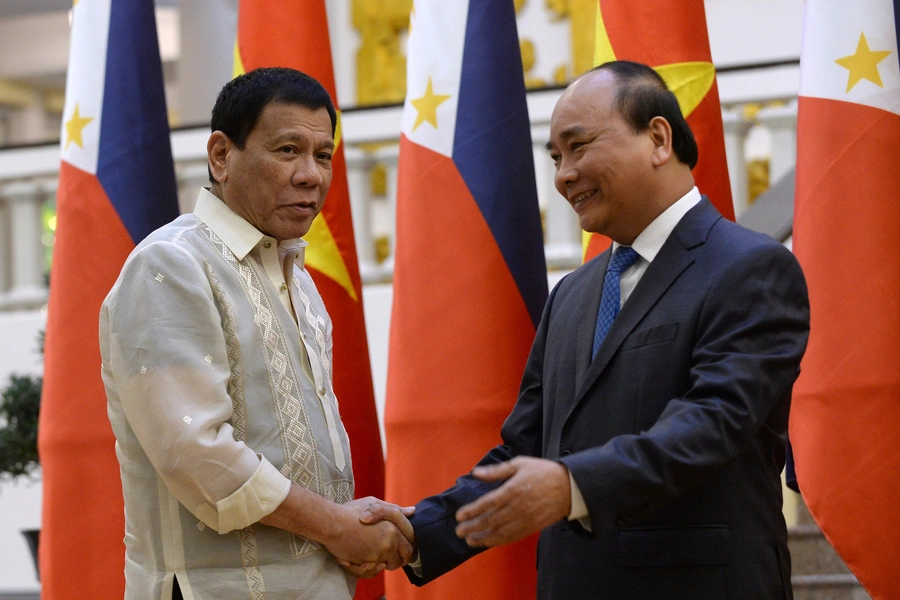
[[306, 171], [565, 174]]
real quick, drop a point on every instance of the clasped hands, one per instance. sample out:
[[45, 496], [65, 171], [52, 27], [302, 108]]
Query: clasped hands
[[369, 544], [535, 493]]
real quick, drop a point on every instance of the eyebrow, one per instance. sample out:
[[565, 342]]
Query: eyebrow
[[568, 134], [292, 137]]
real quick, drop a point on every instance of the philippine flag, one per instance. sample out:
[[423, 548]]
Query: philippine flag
[[845, 415], [116, 185], [470, 278]]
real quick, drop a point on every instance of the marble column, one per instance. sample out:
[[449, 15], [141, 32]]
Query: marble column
[[359, 165], [5, 246], [781, 121], [389, 155], [25, 201], [736, 127]]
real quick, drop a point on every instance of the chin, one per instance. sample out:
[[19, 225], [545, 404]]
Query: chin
[[592, 226]]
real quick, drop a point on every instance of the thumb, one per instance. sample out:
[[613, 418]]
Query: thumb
[[497, 472]]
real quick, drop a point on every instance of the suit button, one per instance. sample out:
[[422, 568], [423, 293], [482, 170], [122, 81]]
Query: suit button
[[565, 453]]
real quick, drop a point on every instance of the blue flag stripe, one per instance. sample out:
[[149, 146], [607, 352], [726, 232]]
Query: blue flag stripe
[[492, 145], [897, 22], [135, 164]]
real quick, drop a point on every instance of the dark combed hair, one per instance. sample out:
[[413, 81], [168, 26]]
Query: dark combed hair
[[643, 95], [242, 100]]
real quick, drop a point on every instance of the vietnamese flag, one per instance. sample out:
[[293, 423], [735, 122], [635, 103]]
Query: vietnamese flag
[[845, 417], [280, 33], [470, 278], [116, 185], [671, 37]]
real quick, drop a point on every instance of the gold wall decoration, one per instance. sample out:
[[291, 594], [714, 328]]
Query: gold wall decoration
[[526, 47], [378, 180], [380, 62], [758, 175], [757, 178], [582, 15], [382, 248]]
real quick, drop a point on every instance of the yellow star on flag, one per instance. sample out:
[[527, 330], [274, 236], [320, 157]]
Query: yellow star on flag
[[74, 127], [426, 106], [863, 64]]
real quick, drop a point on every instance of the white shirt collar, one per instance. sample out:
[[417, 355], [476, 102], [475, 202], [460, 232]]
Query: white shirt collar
[[649, 242], [239, 235]]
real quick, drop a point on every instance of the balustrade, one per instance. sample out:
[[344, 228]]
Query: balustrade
[[28, 179]]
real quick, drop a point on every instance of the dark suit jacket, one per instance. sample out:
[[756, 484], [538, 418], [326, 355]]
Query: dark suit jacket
[[674, 433]]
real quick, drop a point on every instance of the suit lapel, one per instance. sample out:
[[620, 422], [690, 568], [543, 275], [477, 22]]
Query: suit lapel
[[673, 258]]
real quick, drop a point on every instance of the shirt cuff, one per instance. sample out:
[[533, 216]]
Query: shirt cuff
[[257, 498], [416, 565], [579, 508]]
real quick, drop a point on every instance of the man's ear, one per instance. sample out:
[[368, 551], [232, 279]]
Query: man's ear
[[661, 135], [217, 148]]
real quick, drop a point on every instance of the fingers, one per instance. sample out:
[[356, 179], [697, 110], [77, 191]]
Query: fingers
[[479, 520], [404, 551], [363, 571], [384, 511], [535, 496], [497, 472], [489, 502], [379, 510]]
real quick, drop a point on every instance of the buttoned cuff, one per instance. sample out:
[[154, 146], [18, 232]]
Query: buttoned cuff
[[257, 498]]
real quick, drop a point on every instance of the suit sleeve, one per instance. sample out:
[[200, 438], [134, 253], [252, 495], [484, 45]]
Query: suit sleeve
[[751, 334], [440, 550]]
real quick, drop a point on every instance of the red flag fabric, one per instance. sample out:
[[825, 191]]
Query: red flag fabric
[[671, 37], [470, 278], [116, 185], [845, 411], [275, 33]]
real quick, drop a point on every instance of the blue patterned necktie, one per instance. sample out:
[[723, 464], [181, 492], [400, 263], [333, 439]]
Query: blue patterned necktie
[[622, 259]]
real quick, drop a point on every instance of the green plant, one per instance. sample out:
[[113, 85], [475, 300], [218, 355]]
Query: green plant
[[19, 407]]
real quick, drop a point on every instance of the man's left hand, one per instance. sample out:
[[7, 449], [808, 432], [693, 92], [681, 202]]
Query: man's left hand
[[536, 494]]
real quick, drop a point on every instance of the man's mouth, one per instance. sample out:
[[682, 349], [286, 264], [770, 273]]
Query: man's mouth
[[582, 196], [303, 208]]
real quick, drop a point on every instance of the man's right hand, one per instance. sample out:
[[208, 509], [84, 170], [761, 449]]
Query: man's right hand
[[379, 513], [339, 527], [365, 545]]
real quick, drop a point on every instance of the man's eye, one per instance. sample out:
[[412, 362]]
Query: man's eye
[[326, 156]]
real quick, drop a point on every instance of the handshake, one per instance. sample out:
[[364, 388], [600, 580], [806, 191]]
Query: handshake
[[369, 535], [533, 493], [374, 535]]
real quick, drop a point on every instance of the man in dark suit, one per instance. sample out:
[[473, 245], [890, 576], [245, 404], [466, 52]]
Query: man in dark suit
[[645, 446]]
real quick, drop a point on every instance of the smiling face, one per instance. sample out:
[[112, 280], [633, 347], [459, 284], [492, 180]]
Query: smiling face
[[605, 169], [279, 180]]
